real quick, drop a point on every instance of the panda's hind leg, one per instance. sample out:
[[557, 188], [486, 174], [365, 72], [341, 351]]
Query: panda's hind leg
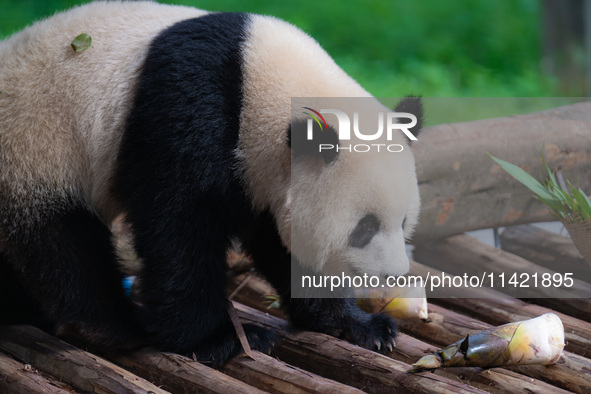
[[67, 265], [16, 306]]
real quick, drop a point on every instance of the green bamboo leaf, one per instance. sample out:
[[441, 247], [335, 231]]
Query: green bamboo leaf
[[81, 43], [564, 197], [550, 173], [527, 180], [555, 205], [587, 200], [582, 201]]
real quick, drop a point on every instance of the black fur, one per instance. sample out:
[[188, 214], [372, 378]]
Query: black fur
[[67, 265], [177, 180], [413, 105], [16, 305]]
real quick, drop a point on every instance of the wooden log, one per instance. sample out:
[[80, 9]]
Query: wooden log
[[19, 378], [571, 372], [443, 328], [447, 327], [462, 189], [462, 254], [275, 376], [179, 374], [496, 308], [409, 350], [346, 363], [79, 369], [545, 248]]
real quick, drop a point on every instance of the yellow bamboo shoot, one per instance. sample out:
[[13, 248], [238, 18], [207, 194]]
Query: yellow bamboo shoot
[[534, 341], [400, 303]]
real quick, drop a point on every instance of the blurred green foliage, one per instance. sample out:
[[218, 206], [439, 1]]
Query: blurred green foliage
[[396, 47]]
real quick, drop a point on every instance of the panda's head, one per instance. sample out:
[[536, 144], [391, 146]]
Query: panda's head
[[352, 211], [345, 212]]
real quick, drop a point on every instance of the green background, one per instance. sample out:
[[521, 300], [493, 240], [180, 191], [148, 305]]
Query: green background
[[396, 47], [451, 48]]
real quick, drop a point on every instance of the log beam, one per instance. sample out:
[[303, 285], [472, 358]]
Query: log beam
[[462, 189]]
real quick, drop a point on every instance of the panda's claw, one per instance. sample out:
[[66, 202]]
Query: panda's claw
[[376, 333], [390, 347], [342, 318]]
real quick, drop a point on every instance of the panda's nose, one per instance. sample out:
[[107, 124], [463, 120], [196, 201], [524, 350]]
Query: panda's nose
[[385, 277]]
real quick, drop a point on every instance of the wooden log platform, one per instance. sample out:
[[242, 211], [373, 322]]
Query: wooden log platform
[[305, 362], [458, 195]]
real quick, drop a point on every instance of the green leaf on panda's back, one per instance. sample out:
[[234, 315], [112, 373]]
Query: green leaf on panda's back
[[81, 43]]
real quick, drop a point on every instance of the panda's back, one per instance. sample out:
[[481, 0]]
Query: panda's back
[[62, 113]]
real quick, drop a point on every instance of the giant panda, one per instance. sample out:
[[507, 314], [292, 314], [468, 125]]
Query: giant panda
[[180, 119]]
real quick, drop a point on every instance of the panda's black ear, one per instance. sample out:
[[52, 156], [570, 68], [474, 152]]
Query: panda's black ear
[[413, 105], [323, 145]]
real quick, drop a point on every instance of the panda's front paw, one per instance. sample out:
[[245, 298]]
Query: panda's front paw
[[376, 333], [342, 318]]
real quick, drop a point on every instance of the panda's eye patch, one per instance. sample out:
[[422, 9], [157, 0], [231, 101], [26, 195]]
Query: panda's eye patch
[[367, 227]]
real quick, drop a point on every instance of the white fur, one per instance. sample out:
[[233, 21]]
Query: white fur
[[317, 211], [62, 113], [62, 116], [328, 201]]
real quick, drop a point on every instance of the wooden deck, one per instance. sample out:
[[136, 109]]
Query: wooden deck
[[461, 190], [304, 362]]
